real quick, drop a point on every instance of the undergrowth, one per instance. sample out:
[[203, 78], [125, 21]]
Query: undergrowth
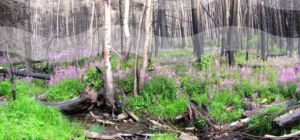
[[27, 119], [65, 89]]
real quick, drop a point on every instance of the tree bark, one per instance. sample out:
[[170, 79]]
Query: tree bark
[[126, 30], [162, 19], [197, 28], [148, 30], [232, 33], [109, 87], [263, 30]]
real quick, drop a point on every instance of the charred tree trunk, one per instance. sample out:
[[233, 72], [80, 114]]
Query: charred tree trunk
[[197, 28], [263, 30], [232, 33], [162, 19]]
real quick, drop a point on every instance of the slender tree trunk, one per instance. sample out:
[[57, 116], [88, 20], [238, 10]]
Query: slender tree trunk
[[148, 30], [122, 26], [136, 65], [162, 19], [232, 34], [126, 30], [109, 87], [224, 23], [27, 41], [197, 37], [182, 20]]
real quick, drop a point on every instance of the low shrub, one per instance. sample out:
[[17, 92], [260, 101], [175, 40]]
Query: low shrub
[[159, 87], [126, 83], [193, 86], [94, 79]]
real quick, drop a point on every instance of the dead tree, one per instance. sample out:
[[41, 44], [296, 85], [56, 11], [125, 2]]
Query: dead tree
[[162, 19], [197, 28], [232, 33]]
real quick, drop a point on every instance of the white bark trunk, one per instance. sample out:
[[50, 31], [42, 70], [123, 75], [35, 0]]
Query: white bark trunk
[[148, 26], [109, 96], [126, 29]]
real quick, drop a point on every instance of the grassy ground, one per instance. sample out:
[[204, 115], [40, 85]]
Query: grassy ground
[[27, 119], [228, 92]]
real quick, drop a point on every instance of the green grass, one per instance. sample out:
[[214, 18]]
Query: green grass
[[164, 137], [27, 119], [65, 89], [23, 88]]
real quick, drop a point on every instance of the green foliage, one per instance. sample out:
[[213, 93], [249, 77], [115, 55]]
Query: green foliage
[[94, 79], [193, 86], [27, 119], [262, 123], [126, 83], [65, 89], [245, 88], [164, 137], [22, 88], [159, 87], [205, 61], [159, 98]]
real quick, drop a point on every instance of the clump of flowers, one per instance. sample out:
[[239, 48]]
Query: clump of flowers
[[65, 73], [157, 69], [287, 75], [298, 88], [245, 72], [121, 73], [227, 82], [171, 74]]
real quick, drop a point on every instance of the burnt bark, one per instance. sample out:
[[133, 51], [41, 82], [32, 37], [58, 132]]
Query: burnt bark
[[23, 73]]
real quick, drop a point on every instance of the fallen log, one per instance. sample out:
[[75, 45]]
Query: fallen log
[[288, 118], [85, 102], [23, 73], [80, 104], [284, 137]]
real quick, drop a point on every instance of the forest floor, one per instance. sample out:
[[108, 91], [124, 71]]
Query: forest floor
[[179, 97]]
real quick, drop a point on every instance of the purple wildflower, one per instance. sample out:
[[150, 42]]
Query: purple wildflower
[[298, 88], [287, 75], [217, 63], [227, 82], [157, 69], [69, 72], [171, 74], [255, 105], [246, 99], [245, 72]]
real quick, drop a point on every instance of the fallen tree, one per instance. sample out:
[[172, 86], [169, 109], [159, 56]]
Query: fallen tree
[[294, 135], [288, 118], [85, 102], [23, 73]]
